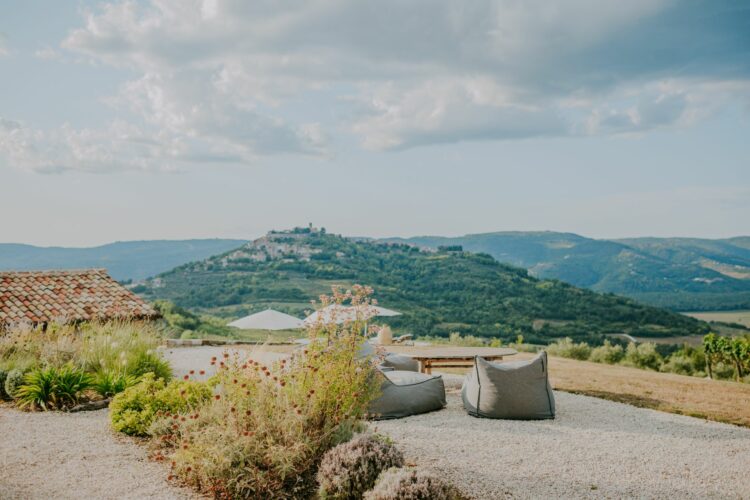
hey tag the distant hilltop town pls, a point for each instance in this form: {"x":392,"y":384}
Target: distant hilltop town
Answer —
{"x":290,"y":244}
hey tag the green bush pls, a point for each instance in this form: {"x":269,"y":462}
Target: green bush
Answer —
{"x":401,"y":484}
{"x":351,"y":468}
{"x":607,"y":353}
{"x":13,"y":382}
{"x":52,"y":388}
{"x":133,"y":410}
{"x":566,"y":348}
{"x":149,"y":362}
{"x":643,"y":356}
{"x":109,"y":383}
{"x":679,"y":363}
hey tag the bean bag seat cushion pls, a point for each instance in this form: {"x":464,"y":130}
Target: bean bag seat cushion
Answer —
{"x":401,"y":362}
{"x":513,"y":390}
{"x":405,"y":393}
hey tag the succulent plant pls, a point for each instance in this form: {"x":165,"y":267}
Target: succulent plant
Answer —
{"x":13,"y":382}
{"x":351,"y":468}
{"x":411,"y":484}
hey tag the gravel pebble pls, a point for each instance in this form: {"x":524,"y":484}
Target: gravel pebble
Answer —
{"x":75,"y":455}
{"x":593,"y":449}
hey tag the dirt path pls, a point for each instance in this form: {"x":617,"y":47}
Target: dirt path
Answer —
{"x":76,"y":456}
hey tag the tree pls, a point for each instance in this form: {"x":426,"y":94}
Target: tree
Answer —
{"x":737,"y":350}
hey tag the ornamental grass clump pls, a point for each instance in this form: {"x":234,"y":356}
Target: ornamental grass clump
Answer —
{"x":266,"y":430}
{"x":410,"y":484}
{"x":52,"y":388}
{"x":351,"y":468}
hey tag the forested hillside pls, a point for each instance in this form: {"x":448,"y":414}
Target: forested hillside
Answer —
{"x":437,"y":292}
{"x":677,"y":273}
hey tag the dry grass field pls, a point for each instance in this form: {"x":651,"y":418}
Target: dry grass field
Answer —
{"x":740,"y":317}
{"x":717,"y":400}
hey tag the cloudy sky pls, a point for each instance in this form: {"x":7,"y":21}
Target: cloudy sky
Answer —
{"x":185,"y":118}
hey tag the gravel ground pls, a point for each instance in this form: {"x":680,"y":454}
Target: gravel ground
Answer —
{"x":593,"y":449}
{"x":75,"y":455}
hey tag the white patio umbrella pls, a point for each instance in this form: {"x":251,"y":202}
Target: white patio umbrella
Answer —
{"x":341,"y":313}
{"x":268,"y":320}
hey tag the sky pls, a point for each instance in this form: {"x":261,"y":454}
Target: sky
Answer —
{"x":172,"y":119}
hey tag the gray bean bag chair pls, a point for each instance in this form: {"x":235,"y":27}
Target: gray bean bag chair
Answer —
{"x":400,"y":362}
{"x":513,"y":390}
{"x":405,"y":393}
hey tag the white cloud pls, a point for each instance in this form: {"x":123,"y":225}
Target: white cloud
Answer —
{"x":119,"y":147}
{"x":217,"y":76}
{"x":46,"y":53}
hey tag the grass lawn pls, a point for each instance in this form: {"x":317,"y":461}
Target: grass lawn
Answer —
{"x":718,"y":400}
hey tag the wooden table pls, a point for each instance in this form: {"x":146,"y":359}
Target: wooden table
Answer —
{"x":451,"y":357}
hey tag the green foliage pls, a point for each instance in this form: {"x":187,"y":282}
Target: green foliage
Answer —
{"x":52,"y":387}
{"x":267,"y":430}
{"x":13,"y":382}
{"x":566,"y":348}
{"x":607,"y":353}
{"x":731,"y":351}
{"x":134,"y":410}
{"x":438,"y":293}
{"x":109,"y":383}
{"x":398,"y":484}
{"x":348,"y":470}
{"x":643,"y":356}
{"x":65,"y":360}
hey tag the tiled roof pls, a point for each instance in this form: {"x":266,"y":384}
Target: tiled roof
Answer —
{"x":45,"y":296}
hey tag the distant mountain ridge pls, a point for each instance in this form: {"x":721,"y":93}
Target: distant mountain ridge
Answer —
{"x":124,"y":260}
{"x":678,"y":273}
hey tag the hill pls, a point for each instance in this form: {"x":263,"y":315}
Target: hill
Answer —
{"x":438,"y":292}
{"x":677,"y":273}
{"x":130,"y":260}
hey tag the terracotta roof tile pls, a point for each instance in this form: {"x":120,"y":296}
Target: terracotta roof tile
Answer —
{"x":44,"y":296}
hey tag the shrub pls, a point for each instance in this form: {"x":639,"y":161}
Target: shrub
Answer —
{"x":13,"y":382}
{"x":149,"y":362}
{"x":109,"y":383}
{"x":679,"y":363}
{"x":351,"y":468}
{"x":51,"y":387}
{"x":133,"y":410}
{"x":404,"y":484}
{"x":566,"y":348}
{"x":607,"y":353}
{"x":266,"y":432}
{"x":643,"y":356}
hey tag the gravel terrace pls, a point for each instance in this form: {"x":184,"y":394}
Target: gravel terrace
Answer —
{"x":593,"y":449}
{"x":75,"y":456}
